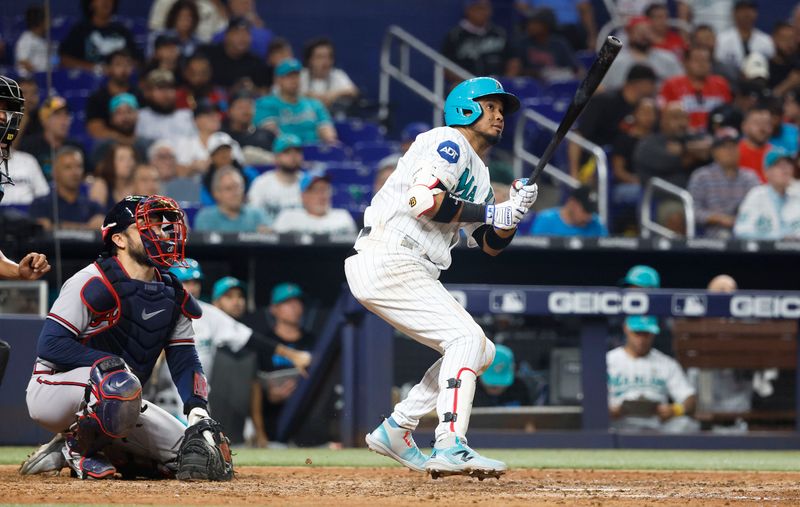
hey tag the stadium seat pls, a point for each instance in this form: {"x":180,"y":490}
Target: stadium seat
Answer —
{"x":139,"y":29}
{"x":325,"y":153}
{"x":586,"y":58}
{"x":353,"y":131}
{"x":190,"y":209}
{"x":522,"y":87}
{"x":60,"y":27}
{"x":349,"y":173}
{"x":65,"y":81}
{"x":562,"y":89}
{"x":371,"y":152}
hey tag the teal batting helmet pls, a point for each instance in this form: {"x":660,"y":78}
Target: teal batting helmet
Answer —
{"x":191,"y":271}
{"x":461,"y":108}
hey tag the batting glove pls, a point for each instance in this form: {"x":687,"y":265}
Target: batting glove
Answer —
{"x":506,"y":215}
{"x":524,"y":193}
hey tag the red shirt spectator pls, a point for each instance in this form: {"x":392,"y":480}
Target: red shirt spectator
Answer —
{"x":698,"y":91}
{"x":756,"y":127}
{"x":752,"y":157}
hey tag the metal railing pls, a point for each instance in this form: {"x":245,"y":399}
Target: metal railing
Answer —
{"x":648,"y":225}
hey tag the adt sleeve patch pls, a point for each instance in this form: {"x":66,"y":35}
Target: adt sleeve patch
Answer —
{"x":449,"y":151}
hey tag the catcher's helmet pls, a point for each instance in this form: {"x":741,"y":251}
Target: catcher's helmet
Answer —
{"x":461,"y":108}
{"x":12,"y":106}
{"x":160,"y":222}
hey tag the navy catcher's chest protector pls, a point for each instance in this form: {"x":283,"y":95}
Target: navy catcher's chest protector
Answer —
{"x":141,"y":315}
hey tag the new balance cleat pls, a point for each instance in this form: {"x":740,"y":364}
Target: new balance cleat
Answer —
{"x":395,"y":442}
{"x":460,"y":459}
{"x":87,"y":467}
{"x":47,"y":459}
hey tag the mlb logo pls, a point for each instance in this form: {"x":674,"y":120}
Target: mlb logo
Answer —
{"x":511,"y":301}
{"x":689,"y":305}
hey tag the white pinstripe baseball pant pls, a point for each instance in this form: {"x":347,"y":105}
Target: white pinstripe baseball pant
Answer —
{"x":403,"y":289}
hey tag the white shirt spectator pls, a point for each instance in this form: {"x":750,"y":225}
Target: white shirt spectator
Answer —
{"x":655,"y":377}
{"x":169,"y":127}
{"x":664,"y":63}
{"x":29,"y":181}
{"x":337,"y":80}
{"x":766,"y":215}
{"x":336,"y":221}
{"x":33,"y":49}
{"x":730,"y":48}
{"x":716,"y":13}
{"x":272,"y":195}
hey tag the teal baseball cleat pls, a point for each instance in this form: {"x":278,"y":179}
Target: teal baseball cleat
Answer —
{"x":393,"y":441}
{"x":460,"y":459}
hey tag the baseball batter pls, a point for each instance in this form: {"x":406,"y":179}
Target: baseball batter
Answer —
{"x":99,"y":344}
{"x":34,"y":265}
{"x":441,"y":187}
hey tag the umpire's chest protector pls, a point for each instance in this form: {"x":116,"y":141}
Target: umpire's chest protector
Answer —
{"x":136,"y":318}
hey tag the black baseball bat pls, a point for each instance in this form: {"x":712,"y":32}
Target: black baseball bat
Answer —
{"x":605,"y":57}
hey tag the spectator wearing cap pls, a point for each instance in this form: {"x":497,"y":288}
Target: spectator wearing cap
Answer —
{"x":784,"y":66}
{"x":239,"y":125}
{"x":640,"y":49}
{"x":192,"y":151}
{"x":772,"y":211}
{"x":230,"y":213}
{"x":211,"y":14}
{"x":232,"y":59}
{"x":56,"y":120}
{"x":697,"y":90}
{"x":287,"y":111}
{"x":499,"y":386}
{"x":124,"y":109}
{"x":575,"y":19}
{"x":228,"y":295}
{"x":647,"y":389}
{"x":75,"y":209}
{"x":320,"y":80}
{"x":91,"y":40}
{"x":279,"y":189}
{"x":223,"y":151}
{"x":544,"y":54}
{"x":30,"y":51}
{"x":197,"y":86}
{"x":641,"y":276}
{"x":286,"y":310}
{"x":756,"y":130}
{"x":577,"y":217}
{"x":735,"y":43}
{"x":606,"y":114}
{"x":478,"y":45}
{"x":160,"y":119}
{"x":259,"y":35}
{"x":720,"y":187}
{"x":664,"y":37}
{"x":118,"y":70}
{"x":316,"y":216}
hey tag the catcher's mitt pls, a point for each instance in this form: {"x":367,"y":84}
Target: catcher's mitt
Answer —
{"x":198,"y":459}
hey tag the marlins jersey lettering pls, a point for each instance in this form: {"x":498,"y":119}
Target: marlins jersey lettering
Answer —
{"x":656,"y":377}
{"x":441,"y":154}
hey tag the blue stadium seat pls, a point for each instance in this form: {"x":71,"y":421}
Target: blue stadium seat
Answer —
{"x":60,"y":27}
{"x":349,"y":173}
{"x":325,"y":153}
{"x":352,"y":186}
{"x":522,"y":87}
{"x":65,"y":81}
{"x":353,"y":131}
{"x":190,"y":209}
{"x":371,"y":152}
{"x":586,"y":58}
{"x":562,"y":89}
{"x":139,"y":29}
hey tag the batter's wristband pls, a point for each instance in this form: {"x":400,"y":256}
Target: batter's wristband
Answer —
{"x":497,"y":242}
{"x":472,"y":213}
{"x":678,"y":409}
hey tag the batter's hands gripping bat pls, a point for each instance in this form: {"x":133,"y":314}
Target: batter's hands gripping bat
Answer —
{"x":585,"y":91}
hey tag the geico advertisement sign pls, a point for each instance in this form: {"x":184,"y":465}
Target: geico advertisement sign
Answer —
{"x":597,"y":303}
{"x":786,"y":307}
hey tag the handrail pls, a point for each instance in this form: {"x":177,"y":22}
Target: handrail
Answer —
{"x":521,"y":155}
{"x":434,"y":96}
{"x":646,"y":219}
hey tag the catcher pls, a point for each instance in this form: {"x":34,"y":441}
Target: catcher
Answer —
{"x":98,"y":346}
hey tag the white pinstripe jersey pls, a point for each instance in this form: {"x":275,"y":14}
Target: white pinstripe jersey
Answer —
{"x":440,"y":154}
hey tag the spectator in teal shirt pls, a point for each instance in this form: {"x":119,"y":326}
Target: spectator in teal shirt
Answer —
{"x":288,"y":112}
{"x":577,"y":217}
{"x":230,"y":214}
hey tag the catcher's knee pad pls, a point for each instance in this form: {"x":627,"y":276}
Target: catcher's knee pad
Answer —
{"x":113,"y":403}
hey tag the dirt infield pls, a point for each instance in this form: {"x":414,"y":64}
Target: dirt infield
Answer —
{"x":392,"y":486}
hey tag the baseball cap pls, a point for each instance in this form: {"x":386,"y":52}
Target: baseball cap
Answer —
{"x":637,"y":20}
{"x":725,"y":135}
{"x":755,"y":66}
{"x":309,"y":177}
{"x":166,"y":39}
{"x":412,"y":130}
{"x":51,"y":105}
{"x":642,"y":276}
{"x":189,"y":271}
{"x":284,"y":292}
{"x":587,"y":197}
{"x":286,"y":141}
{"x":223,"y":285}
{"x":288,"y":66}
{"x":219,"y":139}
{"x":501,"y":372}
{"x":238,"y":22}
{"x":640,"y":72}
{"x":205,"y":107}
{"x":775,"y":155}
{"x":120,"y":216}
{"x":122,"y":99}
{"x":643,"y":324}
{"x":160,"y":77}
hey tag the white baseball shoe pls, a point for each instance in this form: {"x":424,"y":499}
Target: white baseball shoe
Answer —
{"x":460,"y":459}
{"x":393,"y":441}
{"x":46,"y":459}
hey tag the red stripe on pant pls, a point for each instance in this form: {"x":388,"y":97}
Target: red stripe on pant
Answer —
{"x":455,"y":397}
